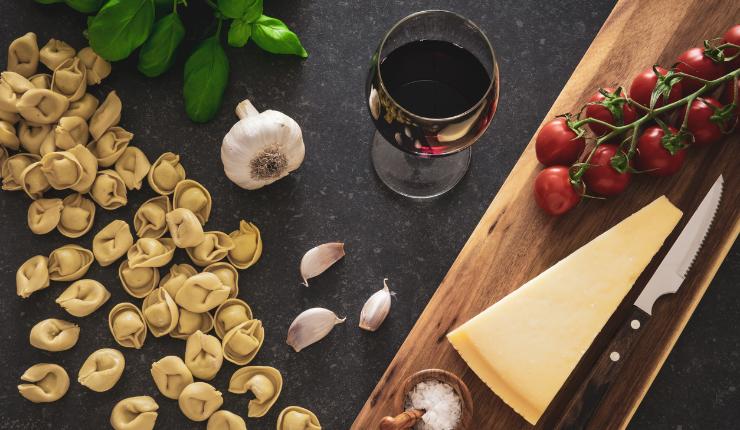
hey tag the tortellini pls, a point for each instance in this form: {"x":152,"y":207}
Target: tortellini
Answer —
{"x":227,"y":274}
{"x":297,"y":418}
{"x":8,"y":137}
{"x":112,"y":242}
{"x":97,"y":67}
{"x":215,"y":246}
{"x":134,"y":413}
{"x":165,"y":173}
{"x":3,"y":158}
{"x":84,"y":107}
{"x":11,"y":118}
{"x":203,"y":355}
{"x":34,"y":181}
{"x":175,"y":279}
{"x":44,"y":215}
{"x":12,"y":88}
{"x":54,"y":335}
{"x":133,"y":166}
{"x":23,"y":55}
{"x":61,"y":169}
{"x":199,"y":400}
{"x":78,"y":214}
{"x":243,"y":342}
{"x":55,"y":52}
{"x":148,"y":252}
{"x":34,"y":137}
{"x":225,"y":420}
{"x":89,"y":168}
{"x":14,"y":167}
{"x":171,"y":376}
{"x":33,"y":275}
{"x":190,"y":322}
{"x":41,"y":80}
{"x":106,"y":116}
{"x":69,"y":263}
{"x":109,"y":190}
{"x":42,"y":106}
{"x":127,"y":325}
{"x":150,"y":218}
{"x":247,"y":245}
{"x":70,"y":132}
{"x":109,"y":147}
{"x":230,"y":314}
{"x":185,"y":228}
{"x":194,"y":196}
{"x":160,"y":312}
{"x":138,"y":282}
{"x":102,"y":369}
{"x":83,"y":297}
{"x":263,"y":381}
{"x":70,"y":79}
{"x":45,"y":383}
{"x":201,"y":293}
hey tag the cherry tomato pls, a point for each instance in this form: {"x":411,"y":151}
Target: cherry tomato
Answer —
{"x":601,"y":177}
{"x":705,"y":130}
{"x":554,"y":192}
{"x":603,"y":110}
{"x":732,"y":36}
{"x":556,"y":144}
{"x":653,"y":157}
{"x":695,"y":63}
{"x":644,"y":83}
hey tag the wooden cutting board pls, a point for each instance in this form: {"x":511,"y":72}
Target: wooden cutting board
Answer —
{"x":515,"y":241}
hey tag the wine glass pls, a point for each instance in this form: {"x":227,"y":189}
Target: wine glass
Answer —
{"x":432,"y":91}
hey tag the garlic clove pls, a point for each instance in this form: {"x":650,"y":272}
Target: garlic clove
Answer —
{"x":320,"y":258}
{"x":376,"y":308}
{"x":311,"y":326}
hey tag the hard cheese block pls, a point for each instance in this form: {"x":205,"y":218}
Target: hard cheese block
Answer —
{"x":525,"y":346}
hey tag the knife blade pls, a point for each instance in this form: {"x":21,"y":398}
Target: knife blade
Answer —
{"x":666,"y":279}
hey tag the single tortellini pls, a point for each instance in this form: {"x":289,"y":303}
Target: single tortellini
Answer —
{"x":203,"y":355}
{"x":109,"y":147}
{"x":71,"y":131}
{"x":148,"y":252}
{"x":106,"y":116}
{"x":12,"y":88}
{"x":190,"y":322}
{"x":89,"y":168}
{"x":78,"y":214}
{"x":13,"y":167}
{"x":160,"y":312}
{"x":138,"y":282}
{"x":102,"y":369}
{"x":97,"y":67}
{"x":201,"y":293}
{"x":42,"y":106}
{"x":46,"y":383}
{"x":127,"y":325}
{"x":33,"y":136}
{"x":225,"y":420}
{"x":8,"y":137}
{"x":11,"y":118}
{"x":185,"y":228}
{"x":175,"y":279}
{"x":230,"y":314}
{"x":70,"y":79}
{"x":34,"y":181}
{"x":61,"y":169}
{"x":112,"y":242}
{"x":263,"y":381}
{"x":228,"y":275}
{"x":69,"y":263}
{"x":55,"y":52}
{"x":150,"y":218}
{"x":33,"y":275}
{"x":133,"y":166}
{"x":171,"y":376}
{"x":297,"y":418}
{"x":134,"y":413}
{"x":215,"y":246}
{"x":165,"y":173}
{"x":194,"y":196}
{"x":199,"y":400}
{"x":54,"y":335}
{"x":44,"y":215}
{"x":23,"y":55}
{"x":243,"y":342}
{"x":83,"y":297}
{"x":84,"y":107}
{"x":109,"y":190}
{"x":247,"y":245}
{"x":41,"y":80}
{"x":3,"y":158}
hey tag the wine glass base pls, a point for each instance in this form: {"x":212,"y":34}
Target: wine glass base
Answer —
{"x":417,"y":177}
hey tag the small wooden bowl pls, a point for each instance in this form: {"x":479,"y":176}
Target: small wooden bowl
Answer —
{"x":466,"y":414}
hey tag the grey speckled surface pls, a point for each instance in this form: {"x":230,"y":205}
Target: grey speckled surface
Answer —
{"x":335,"y":196}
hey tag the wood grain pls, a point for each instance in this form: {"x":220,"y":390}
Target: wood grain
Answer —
{"x":515,"y":241}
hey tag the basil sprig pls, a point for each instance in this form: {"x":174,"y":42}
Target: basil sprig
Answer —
{"x":158,"y":52}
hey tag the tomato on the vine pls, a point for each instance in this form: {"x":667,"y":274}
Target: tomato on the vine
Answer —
{"x":643,"y":85}
{"x":652,"y":154}
{"x":558,"y":144}
{"x":554,"y":192}
{"x":693,"y":62}
{"x":609,"y":105}
{"x":601,"y":177}
{"x":707,"y":120}
{"x":732,"y":35}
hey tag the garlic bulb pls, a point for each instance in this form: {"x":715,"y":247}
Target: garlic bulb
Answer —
{"x":261,"y":148}
{"x":311,"y":326}
{"x":376,"y":308}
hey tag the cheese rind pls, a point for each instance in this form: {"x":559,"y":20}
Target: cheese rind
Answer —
{"x":526,"y":345}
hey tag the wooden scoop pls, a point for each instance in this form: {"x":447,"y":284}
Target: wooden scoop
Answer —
{"x":404,"y":420}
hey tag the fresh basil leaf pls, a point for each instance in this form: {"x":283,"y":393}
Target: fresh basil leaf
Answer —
{"x":274,"y":36}
{"x":239,"y":32}
{"x":241,"y":9}
{"x":163,"y":3}
{"x":120,"y":27}
{"x":206,"y":76}
{"x":158,"y":52}
{"x":84,"y":6}
{"x":253,"y":12}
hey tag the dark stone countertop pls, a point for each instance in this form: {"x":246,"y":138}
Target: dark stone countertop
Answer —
{"x":334,"y":196}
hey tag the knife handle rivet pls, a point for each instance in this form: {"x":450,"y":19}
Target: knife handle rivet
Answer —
{"x":614,"y":356}
{"x":635,"y":324}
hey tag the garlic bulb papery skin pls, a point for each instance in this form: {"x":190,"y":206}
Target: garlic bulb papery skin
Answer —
{"x":311,"y":326}
{"x":261,"y":148}
{"x":376,"y":308}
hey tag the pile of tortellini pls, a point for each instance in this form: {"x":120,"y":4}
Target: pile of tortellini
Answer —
{"x":71,"y":142}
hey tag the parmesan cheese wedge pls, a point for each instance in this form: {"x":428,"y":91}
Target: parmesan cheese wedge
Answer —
{"x":526,"y":345}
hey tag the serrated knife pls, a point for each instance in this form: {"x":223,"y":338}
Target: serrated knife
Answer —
{"x":666,"y":279}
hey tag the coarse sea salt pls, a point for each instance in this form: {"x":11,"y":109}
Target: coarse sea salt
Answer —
{"x":441,"y":403}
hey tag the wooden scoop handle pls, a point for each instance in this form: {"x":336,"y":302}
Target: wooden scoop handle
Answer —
{"x":405,"y":420}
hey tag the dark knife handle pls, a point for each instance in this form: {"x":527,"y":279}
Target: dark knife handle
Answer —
{"x":585,"y":402}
